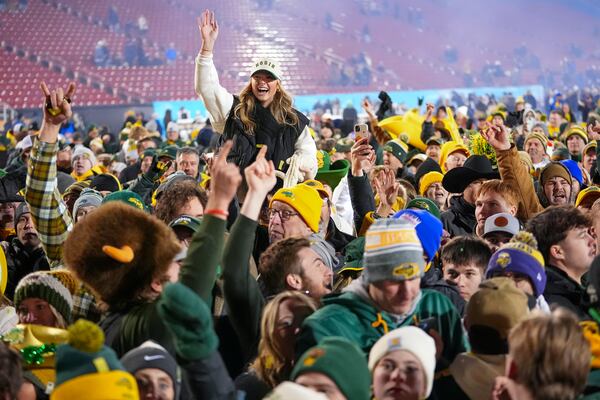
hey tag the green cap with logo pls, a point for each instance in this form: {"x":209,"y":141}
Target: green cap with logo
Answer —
{"x":186,"y":221}
{"x":423,"y":203}
{"x":128,"y":197}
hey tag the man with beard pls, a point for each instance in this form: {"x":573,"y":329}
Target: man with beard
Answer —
{"x":386,"y":297}
{"x":24,"y":253}
{"x":291,"y":264}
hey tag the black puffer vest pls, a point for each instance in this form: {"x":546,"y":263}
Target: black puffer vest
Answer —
{"x":280,"y":139}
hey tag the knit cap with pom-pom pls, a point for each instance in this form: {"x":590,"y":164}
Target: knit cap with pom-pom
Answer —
{"x":86,"y":336}
{"x":85,"y":353}
{"x":520,"y":255}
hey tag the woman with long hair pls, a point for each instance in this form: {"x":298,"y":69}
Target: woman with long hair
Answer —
{"x":262,"y":114}
{"x":280,"y":324}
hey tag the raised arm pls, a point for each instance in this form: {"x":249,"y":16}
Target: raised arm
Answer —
{"x":241,"y":290}
{"x":48,"y":211}
{"x":361,"y":194}
{"x":199,"y":269}
{"x":513,"y":171}
{"x":381,"y":136}
{"x":217,"y":99}
{"x":427,"y":126}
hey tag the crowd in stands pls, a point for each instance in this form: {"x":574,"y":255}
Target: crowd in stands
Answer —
{"x":445,"y":251}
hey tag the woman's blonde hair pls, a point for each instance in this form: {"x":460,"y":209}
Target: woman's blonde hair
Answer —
{"x":270,"y":365}
{"x":280,"y":107}
{"x":551,"y":355}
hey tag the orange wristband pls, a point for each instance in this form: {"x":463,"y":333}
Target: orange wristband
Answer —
{"x":216,"y":211}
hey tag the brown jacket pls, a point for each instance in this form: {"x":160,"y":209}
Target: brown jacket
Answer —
{"x":514,"y":172}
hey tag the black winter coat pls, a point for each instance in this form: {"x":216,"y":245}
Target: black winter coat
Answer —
{"x":459,"y":219}
{"x":20,"y":262}
{"x":563,"y":291}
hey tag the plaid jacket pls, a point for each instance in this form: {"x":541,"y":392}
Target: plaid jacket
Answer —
{"x":48,"y":211}
{"x":52,"y":219}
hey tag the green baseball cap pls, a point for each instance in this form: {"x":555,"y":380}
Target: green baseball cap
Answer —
{"x":128,"y":197}
{"x":423,"y":203}
{"x":186,"y":221}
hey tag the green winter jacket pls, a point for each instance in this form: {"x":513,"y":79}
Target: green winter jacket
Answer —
{"x":132,"y":327}
{"x":350,"y":315}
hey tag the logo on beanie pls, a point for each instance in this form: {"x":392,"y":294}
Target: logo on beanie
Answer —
{"x":313,"y":356}
{"x":320,"y":161}
{"x":394,"y":343}
{"x":406,"y":270}
{"x":125,"y":383}
{"x":503,"y":260}
{"x":288,"y":193}
{"x":136,"y":202}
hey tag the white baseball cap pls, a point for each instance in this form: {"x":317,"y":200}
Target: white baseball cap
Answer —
{"x":501,"y":222}
{"x":265,"y":64}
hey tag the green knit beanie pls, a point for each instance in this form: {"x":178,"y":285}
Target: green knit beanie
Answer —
{"x":55,"y":287}
{"x":398,"y":148}
{"x":343,"y":362}
{"x":80,"y":356}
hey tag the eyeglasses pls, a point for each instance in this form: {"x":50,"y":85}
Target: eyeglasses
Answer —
{"x":284,"y":215}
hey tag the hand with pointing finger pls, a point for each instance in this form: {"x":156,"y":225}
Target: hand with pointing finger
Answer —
{"x":225,"y":180}
{"x":260,"y":175}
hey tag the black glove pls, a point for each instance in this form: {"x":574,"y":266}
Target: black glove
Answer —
{"x":157,"y":169}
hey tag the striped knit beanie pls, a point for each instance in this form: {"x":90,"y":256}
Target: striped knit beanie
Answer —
{"x":393,"y":251}
{"x":56,"y":287}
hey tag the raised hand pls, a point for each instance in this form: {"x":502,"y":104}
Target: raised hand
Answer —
{"x":387,"y":188}
{"x":496,"y":136}
{"x":368,"y":107}
{"x":595,"y":133}
{"x":429,"y":112}
{"x":362,"y":157}
{"x":225,"y":180}
{"x":57,"y":104}
{"x":209,"y":29}
{"x":260,"y":175}
{"x":260,"y":178}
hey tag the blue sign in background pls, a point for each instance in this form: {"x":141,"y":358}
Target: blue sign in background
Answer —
{"x":305,"y":103}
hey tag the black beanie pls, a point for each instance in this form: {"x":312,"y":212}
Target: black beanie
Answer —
{"x":105,"y":182}
{"x":152,"y":355}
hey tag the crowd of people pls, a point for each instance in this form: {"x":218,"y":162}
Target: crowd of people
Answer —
{"x":271,"y":256}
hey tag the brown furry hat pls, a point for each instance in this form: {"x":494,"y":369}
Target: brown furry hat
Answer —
{"x":118,"y":250}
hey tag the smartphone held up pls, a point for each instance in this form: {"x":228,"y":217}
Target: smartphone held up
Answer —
{"x":361,"y":131}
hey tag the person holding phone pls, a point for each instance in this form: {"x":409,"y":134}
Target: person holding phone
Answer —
{"x":261,"y":114}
